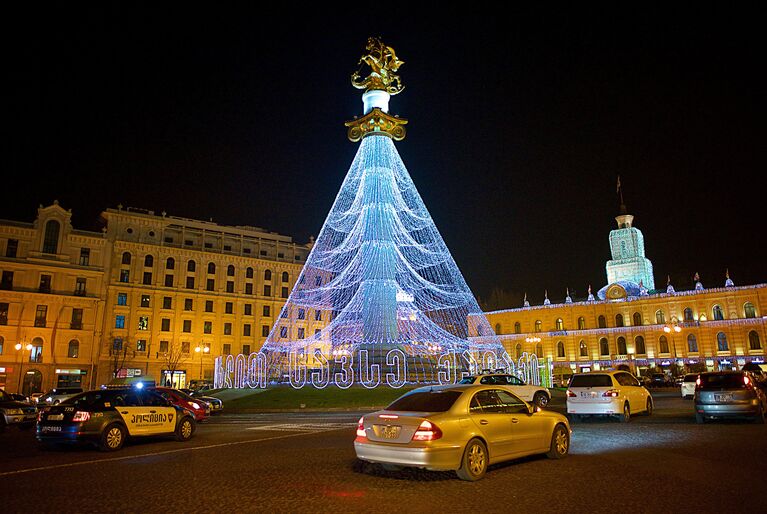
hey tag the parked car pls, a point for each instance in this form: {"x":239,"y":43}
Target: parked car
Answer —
{"x":725,"y":394}
{"x":199,"y":408}
{"x":216,"y":404}
{"x":688,"y":385}
{"x":538,"y":395}
{"x":58,"y":395}
{"x":660,"y":380}
{"x":462,"y":427}
{"x":14,"y":413}
{"x":612,"y":393}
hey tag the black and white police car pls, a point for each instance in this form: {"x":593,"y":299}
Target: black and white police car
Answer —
{"x":107,"y":417}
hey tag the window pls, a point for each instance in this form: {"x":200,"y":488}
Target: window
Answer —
{"x":748,"y":310}
{"x":753,"y":341}
{"x":517,"y":328}
{"x":284,"y":292}
{"x":230,"y":286}
{"x":538,"y":325}
{"x":584,"y":350}
{"x":284,"y":313}
{"x":185,"y":346}
{"x":622,"y":350}
{"x":170,"y":263}
{"x":663,"y":345}
{"x":285,"y":277}
{"x":211,"y":268}
{"x":85,"y":256}
{"x":267,"y":274}
{"x":143,"y":322}
{"x":539,"y":350}
{"x":246,"y":349}
{"x":36,"y":355}
{"x":190,"y":282}
{"x":692,"y":344}
{"x":148,"y":261}
{"x":77,"y":319}
{"x":167,"y":302}
{"x":604,"y":347}
{"x":248,"y":288}
{"x":637,"y":319}
{"x":283,"y":332}
{"x":80,"y":287}
{"x":581,"y":323}
{"x":124,"y":275}
{"x":51,"y":238}
{"x":74,"y":349}
{"x":41,"y":313}
{"x":147,"y":279}
{"x":267,"y":311}
{"x":45,"y":283}
{"x":560,"y":349}
{"x":122,"y":298}
{"x":145,"y":300}
{"x":7,"y":281}
{"x":301,"y":333}
{"x":230,"y":271}
{"x":619,"y":320}
{"x":227,"y":329}
{"x":248,"y":309}
{"x":249,"y":273}
{"x":187,"y":327}
{"x":117,"y":344}
{"x":639,"y":345}
{"x":721,"y":342}
{"x":165,"y":325}
{"x":164,"y":346}
{"x":3,"y":313}
{"x":229,"y":308}
{"x":191,"y":266}
{"x":141,"y":345}
{"x":717,"y":312}
{"x":126,"y":258}
{"x":227,"y":349}
{"x":168,"y":280}
{"x":265,"y":330}
{"x":302,"y":315}
{"x":119,"y":321}
{"x":2,"y":343}
{"x":188,"y":304}
{"x":560,"y":324}
{"x":246,"y":329}
{"x":317,"y":315}
{"x":12,"y":248}
{"x":660,"y":317}
{"x":207,"y":327}
{"x":208,"y":305}
{"x":601,"y":322}
{"x":688,"y":314}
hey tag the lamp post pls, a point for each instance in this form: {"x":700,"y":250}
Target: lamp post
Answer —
{"x":21,"y":347}
{"x":201,"y":349}
{"x":672,"y":329}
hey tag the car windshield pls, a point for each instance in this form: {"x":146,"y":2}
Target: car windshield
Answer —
{"x":723,"y":381}
{"x":690,"y":378}
{"x":426,"y":401}
{"x":591,"y":381}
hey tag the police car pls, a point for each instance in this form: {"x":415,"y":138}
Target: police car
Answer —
{"x":107,"y":417}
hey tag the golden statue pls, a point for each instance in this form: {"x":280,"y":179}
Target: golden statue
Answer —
{"x":383,"y":63}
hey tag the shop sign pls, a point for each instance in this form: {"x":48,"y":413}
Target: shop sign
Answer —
{"x":129,"y":372}
{"x":6,"y":370}
{"x":72,"y":371}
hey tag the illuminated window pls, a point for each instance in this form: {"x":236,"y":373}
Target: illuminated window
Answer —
{"x":721,"y":342}
{"x":538,"y":325}
{"x":560,"y":324}
{"x":619,"y":320}
{"x":122,"y":299}
{"x":748,"y":310}
{"x":717,"y":312}
{"x":639,"y":345}
{"x":124,"y":275}
{"x":692,"y":343}
{"x":517,"y":328}
{"x":601,"y":322}
{"x":74,"y":349}
{"x":660,"y":316}
{"x":141,"y":345}
{"x":622,"y":346}
{"x":560,"y":349}
{"x":119,"y":321}
{"x":584,"y":349}
{"x":663,"y":344}
{"x":143,"y":322}
{"x":581,"y":323}
{"x":604,"y":347}
{"x":145,"y":299}
{"x":753,"y":341}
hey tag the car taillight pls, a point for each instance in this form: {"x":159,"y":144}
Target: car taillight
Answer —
{"x":697,"y":383}
{"x":571,"y":394}
{"x":81,"y":416}
{"x":612,"y":393}
{"x":361,"y":428}
{"x":746,"y":381}
{"x":39,"y":416}
{"x":427,"y":431}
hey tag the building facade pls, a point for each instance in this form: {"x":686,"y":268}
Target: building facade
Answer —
{"x":150,"y":295}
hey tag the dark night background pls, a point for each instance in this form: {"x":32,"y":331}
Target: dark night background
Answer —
{"x":520,"y":123}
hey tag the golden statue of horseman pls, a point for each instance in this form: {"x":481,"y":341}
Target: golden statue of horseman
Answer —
{"x":383,"y":63}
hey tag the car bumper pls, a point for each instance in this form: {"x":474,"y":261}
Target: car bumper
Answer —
{"x":614,"y":406}
{"x":66,"y":434}
{"x":19,"y":419}
{"x":439,"y":458}
{"x":728,"y":409}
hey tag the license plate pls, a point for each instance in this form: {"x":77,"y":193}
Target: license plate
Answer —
{"x":389,"y":432}
{"x":51,"y":429}
{"x":722,"y":397}
{"x":588,"y":395}
{"x":55,"y":417}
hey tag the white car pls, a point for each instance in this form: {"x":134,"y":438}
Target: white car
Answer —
{"x":688,"y":385}
{"x":537,"y":395}
{"x":612,"y":393}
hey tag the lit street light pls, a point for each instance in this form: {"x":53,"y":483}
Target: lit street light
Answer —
{"x":201,"y":349}
{"x":672,"y":329}
{"x":21,"y":347}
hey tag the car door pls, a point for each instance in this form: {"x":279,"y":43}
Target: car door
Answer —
{"x":161,"y":412}
{"x":629,"y":389}
{"x":487,"y":413}
{"x":131,"y":411}
{"x":521,"y":389}
{"x":527,"y":430}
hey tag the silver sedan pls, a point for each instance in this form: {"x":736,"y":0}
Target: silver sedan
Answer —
{"x":464,"y":428}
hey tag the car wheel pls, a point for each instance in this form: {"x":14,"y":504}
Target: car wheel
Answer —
{"x":112,"y":438}
{"x":474,"y":462}
{"x":648,"y":410}
{"x":699,"y":418}
{"x":391,"y":467}
{"x":626,"y":417}
{"x":560,"y":443}
{"x":185,"y":429}
{"x":541,"y":399}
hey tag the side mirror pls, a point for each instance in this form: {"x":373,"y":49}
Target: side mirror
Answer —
{"x":531,"y":409}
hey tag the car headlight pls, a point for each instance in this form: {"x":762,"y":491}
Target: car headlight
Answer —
{"x":13,"y":412}
{"x":195,"y":405}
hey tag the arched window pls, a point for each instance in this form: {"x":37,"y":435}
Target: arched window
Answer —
{"x":584,"y":350}
{"x":191,"y":266}
{"x":285,"y":276}
{"x":721,"y":342}
{"x":619,"y":320}
{"x":601,"y":322}
{"x":717,"y":312}
{"x":748,"y":310}
{"x":663,"y":345}
{"x":211,"y":268}
{"x":249,"y":272}
{"x":148,"y":261}
{"x":692,"y":343}
{"x":560,"y":324}
{"x":51,"y":239}
{"x":267,"y":274}
{"x":74,"y":349}
{"x":660,"y":317}
{"x":622,"y":350}
{"x":637,"y":318}
{"x":539,"y":350}
{"x":170,"y":263}
{"x":581,"y":323}
{"x":517,"y":328}
{"x":518,"y":350}
{"x":560,"y":349}
{"x":639,"y":346}
{"x":537,"y":325}
{"x":497,"y":328}
{"x":126,"y":258}
{"x":688,"y":314}
{"x":230,"y":270}
{"x":753,"y":341}
{"x":604,"y":348}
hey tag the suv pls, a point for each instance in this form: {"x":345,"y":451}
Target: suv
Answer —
{"x":15,"y":413}
{"x":538,"y":395}
{"x":612,"y":393}
{"x":729,"y":394}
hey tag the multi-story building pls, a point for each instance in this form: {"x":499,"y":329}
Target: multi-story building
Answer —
{"x":154,"y":295}
{"x":630,"y":326}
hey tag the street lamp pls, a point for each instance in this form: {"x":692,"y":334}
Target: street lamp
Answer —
{"x":672,"y":329}
{"x":22,"y":347}
{"x":201,"y":349}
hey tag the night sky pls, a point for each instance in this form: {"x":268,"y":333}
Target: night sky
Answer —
{"x":520,"y":123}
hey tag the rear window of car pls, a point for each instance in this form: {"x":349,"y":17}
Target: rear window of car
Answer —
{"x":92,"y":400}
{"x":591,"y":381}
{"x":427,"y":401}
{"x":690,"y":378}
{"x":723,"y":381}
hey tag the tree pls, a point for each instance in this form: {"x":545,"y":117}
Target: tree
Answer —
{"x":175,"y":356}
{"x":118,"y":352}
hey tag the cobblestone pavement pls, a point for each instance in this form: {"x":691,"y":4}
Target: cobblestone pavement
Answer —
{"x":305,"y":462}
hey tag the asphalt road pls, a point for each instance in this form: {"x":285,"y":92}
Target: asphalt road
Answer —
{"x":305,"y":462}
